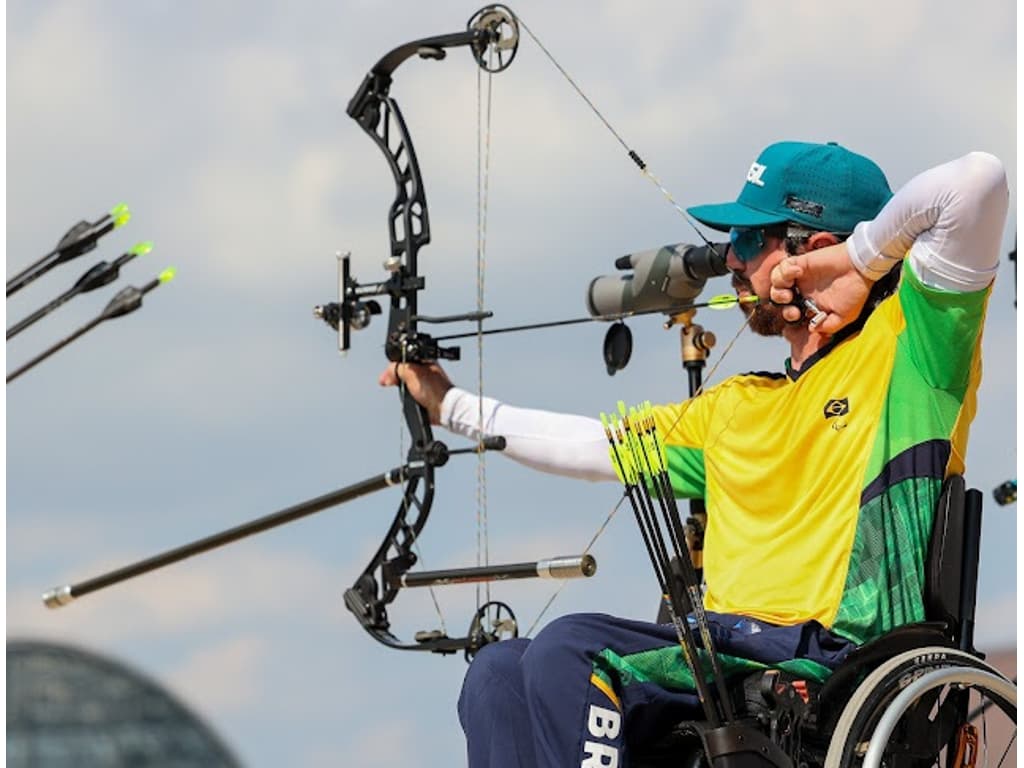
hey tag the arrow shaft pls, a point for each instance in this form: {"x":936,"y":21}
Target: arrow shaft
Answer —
{"x":33,"y":271}
{"x":56,"y":347}
{"x":42,"y":312}
{"x":588,"y":319}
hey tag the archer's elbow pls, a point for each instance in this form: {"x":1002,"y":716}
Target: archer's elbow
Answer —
{"x":984,"y":175}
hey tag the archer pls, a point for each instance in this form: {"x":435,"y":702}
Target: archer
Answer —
{"x":882,"y":299}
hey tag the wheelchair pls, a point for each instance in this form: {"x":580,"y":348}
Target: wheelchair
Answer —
{"x":918,"y":696}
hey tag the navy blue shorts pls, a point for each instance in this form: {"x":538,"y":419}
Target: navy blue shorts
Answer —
{"x":589,"y":685}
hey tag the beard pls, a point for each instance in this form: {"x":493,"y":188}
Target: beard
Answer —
{"x":764,"y":318}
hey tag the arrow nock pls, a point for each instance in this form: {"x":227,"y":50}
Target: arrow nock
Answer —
{"x":120,"y":214}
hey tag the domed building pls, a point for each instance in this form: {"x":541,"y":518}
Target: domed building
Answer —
{"x":70,"y":707}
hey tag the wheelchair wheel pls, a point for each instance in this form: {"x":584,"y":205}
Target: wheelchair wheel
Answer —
{"x":928,"y":706}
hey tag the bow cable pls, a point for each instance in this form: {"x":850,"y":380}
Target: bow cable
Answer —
{"x":633,"y":155}
{"x":586,"y":551}
{"x":483,"y":167}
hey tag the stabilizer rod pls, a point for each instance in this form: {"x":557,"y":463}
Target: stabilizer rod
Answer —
{"x":60,"y":596}
{"x":569,"y":567}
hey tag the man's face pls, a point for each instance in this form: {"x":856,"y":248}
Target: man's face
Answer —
{"x":753,"y":278}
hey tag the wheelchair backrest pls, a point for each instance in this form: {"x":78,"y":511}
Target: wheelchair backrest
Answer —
{"x":944,"y":566}
{"x":951,"y":570}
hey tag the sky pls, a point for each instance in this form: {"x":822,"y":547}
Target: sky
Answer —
{"x":223,"y":126}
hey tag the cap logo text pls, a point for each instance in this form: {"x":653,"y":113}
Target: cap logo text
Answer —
{"x":805,"y":207}
{"x":754,"y":174}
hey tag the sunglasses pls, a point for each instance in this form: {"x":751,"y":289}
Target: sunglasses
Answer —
{"x":748,"y":242}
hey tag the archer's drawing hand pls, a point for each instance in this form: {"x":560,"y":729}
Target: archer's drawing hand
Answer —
{"x":427,"y":383}
{"x":827,"y":277}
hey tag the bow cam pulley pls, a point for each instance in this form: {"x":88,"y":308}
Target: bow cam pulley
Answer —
{"x":498,"y":46}
{"x":493,"y":621}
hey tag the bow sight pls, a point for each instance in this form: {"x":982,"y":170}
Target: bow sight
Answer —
{"x":404,"y":344}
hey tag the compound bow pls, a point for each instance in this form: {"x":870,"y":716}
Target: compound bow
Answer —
{"x":492,"y":35}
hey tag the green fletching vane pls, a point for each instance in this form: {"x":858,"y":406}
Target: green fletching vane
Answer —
{"x":617,"y":466}
{"x":120,"y":214}
{"x":723,"y":301}
{"x":141,"y":249}
{"x":630,"y":466}
{"x":635,"y":447}
{"x":728,"y":300}
{"x":632,"y":419}
{"x":167,"y":275}
{"x":652,"y":452}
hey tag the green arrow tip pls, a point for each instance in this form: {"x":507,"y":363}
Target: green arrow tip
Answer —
{"x":141,"y":249}
{"x":167,"y":275}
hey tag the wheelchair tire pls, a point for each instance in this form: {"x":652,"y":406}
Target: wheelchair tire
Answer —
{"x":876,"y":693}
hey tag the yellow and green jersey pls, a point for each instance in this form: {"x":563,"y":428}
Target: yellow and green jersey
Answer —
{"x":821,"y":487}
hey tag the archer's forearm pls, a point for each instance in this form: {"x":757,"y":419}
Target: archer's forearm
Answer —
{"x":557,"y":443}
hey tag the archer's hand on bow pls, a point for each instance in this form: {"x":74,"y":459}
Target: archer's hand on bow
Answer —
{"x":427,"y":383}
{"x":827,"y":277}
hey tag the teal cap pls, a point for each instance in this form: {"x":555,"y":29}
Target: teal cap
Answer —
{"x":824,"y":187}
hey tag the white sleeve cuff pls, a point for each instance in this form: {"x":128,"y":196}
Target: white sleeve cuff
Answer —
{"x":867,"y":259}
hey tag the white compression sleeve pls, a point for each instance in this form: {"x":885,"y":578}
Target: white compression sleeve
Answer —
{"x":950,"y":218}
{"x":559,"y":443}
